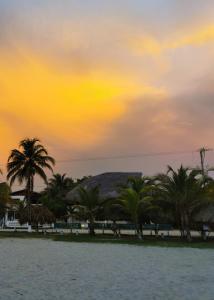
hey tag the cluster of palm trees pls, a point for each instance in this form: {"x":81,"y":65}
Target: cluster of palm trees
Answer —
{"x":182,"y":194}
{"x":175,"y":197}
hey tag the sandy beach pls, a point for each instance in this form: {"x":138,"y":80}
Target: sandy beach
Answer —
{"x":43,"y":269}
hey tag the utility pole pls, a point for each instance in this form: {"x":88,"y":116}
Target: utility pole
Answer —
{"x":202,"y":153}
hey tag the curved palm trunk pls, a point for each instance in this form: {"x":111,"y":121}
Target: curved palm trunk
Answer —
{"x":29,"y":188}
{"x":28,"y":194}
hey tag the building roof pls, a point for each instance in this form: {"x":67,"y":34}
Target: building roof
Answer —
{"x":109,"y":184}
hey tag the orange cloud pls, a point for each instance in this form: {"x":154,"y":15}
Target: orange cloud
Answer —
{"x":73,"y":108}
{"x":152,"y":46}
{"x":198,"y":37}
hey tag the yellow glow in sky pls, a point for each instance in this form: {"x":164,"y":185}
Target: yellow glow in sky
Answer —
{"x":106,"y":77}
{"x":196,"y":37}
{"x":65,"y":106}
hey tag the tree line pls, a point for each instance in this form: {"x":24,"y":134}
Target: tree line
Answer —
{"x":174,"y":197}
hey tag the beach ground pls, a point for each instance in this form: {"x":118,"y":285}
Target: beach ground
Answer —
{"x":45,"y":269}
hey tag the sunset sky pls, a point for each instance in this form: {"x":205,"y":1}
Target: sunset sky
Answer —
{"x":99,"y":78}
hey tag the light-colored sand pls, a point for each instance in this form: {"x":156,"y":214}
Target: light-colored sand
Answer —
{"x":42,"y":269}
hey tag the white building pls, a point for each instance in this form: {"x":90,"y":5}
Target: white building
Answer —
{"x":10,"y":219}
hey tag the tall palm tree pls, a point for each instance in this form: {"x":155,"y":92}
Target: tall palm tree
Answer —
{"x":88,"y":205}
{"x":183,"y":193}
{"x":134,"y":204}
{"x":136,"y":200}
{"x":24,"y":163}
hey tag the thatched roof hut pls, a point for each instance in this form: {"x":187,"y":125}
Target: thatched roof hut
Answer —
{"x":39,"y":215}
{"x":109,"y":184}
{"x":206,"y":215}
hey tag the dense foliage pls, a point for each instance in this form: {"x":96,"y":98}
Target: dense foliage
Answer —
{"x":175,"y":197}
{"x":54,"y":195}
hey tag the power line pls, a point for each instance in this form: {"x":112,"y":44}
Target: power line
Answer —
{"x":127,"y":156}
{"x":152,"y":154}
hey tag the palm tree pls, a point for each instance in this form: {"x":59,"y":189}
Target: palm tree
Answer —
{"x":138,"y":184}
{"x":88,"y":206}
{"x":183,"y":193}
{"x":54,"y":195}
{"x":24,"y":163}
{"x":136,"y":200}
{"x":59,"y":184}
